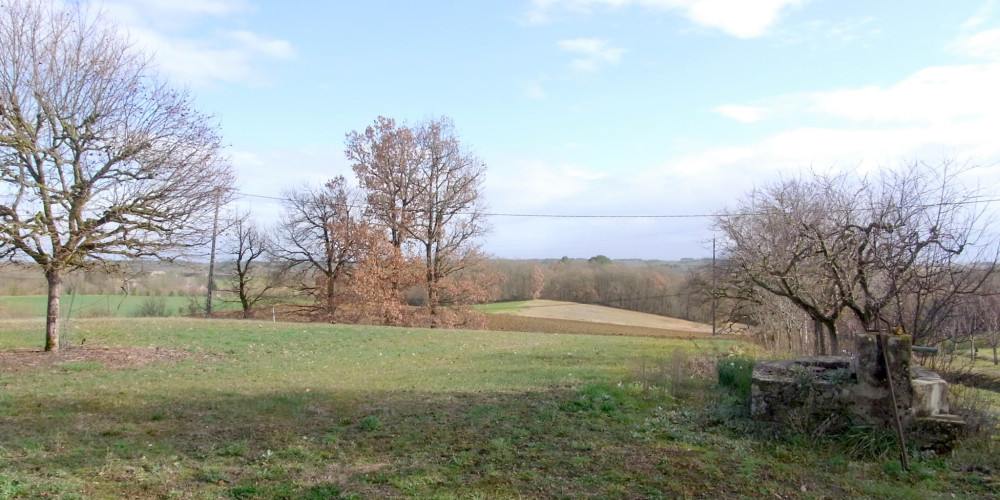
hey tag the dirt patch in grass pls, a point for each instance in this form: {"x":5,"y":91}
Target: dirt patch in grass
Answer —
{"x":20,"y":360}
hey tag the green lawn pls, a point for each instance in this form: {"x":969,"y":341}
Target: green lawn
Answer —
{"x":101,"y":306}
{"x":273,"y":410}
{"x":502,"y":307}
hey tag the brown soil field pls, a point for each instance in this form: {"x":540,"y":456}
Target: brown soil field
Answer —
{"x":602,"y":314}
{"x":549,"y":316}
{"x":517,"y":323}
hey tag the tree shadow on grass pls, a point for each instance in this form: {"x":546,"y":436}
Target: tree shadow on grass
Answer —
{"x":565,"y":442}
{"x":557,"y":443}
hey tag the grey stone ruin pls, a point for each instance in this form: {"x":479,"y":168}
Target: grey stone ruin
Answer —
{"x":836,"y":390}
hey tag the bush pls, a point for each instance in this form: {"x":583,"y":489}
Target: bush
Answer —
{"x":735,"y":373}
{"x":152,"y":307}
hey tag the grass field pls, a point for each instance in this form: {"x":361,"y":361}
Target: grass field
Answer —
{"x":187,"y":408}
{"x":502,"y":307}
{"x":99,"y":306}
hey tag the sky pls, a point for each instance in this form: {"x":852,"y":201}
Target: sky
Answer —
{"x":667,"y":109}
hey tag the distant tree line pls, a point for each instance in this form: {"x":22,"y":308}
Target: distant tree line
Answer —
{"x":655,"y":288}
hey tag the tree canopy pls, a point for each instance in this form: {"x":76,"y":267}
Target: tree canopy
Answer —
{"x":896,"y":248}
{"x":99,"y":159}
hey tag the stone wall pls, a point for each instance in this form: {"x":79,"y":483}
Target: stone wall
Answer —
{"x":841,"y":390}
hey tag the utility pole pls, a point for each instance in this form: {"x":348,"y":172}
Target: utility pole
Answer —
{"x":211,"y":258}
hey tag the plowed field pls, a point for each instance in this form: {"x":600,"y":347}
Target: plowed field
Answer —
{"x":549,"y":316}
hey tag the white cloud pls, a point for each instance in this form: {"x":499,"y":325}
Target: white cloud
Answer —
{"x":745,"y":114}
{"x":826,"y":33}
{"x":198,"y":58}
{"x":532,"y":185}
{"x":254,"y":43}
{"x":936,"y":94}
{"x":595,"y":53}
{"x":740,"y":18}
{"x":984,"y":14}
{"x":981,"y":45}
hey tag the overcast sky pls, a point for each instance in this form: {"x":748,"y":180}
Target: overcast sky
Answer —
{"x":591,"y":107}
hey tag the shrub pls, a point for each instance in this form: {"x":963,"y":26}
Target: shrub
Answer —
{"x":152,"y":307}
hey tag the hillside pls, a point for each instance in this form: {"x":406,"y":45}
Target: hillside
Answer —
{"x":601,"y":314}
{"x":550,"y":316}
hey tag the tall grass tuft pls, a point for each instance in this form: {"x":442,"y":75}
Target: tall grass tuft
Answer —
{"x":735,"y":373}
{"x":152,"y":307}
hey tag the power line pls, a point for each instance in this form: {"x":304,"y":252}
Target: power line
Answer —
{"x":528,"y":215}
{"x":975,"y":200}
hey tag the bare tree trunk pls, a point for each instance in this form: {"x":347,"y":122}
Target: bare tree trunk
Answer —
{"x":834,"y":341}
{"x":211,"y":259}
{"x":54,"y":280}
{"x":432,"y":297}
{"x":245,"y":299}
{"x":331,"y":301}
{"x":819,"y":337}
{"x":995,"y":355}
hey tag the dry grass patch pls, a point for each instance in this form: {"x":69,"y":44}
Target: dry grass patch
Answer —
{"x":20,"y":360}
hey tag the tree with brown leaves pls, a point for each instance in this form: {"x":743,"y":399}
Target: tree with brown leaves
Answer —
{"x":426,"y":190}
{"x":449,"y":216}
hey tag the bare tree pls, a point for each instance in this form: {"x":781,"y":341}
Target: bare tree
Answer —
{"x":924,"y":248}
{"x":898,"y":249}
{"x":779,"y":239}
{"x":448,"y":217}
{"x":989,"y":308}
{"x":251,"y":278}
{"x":320,"y":235}
{"x":98,"y":158}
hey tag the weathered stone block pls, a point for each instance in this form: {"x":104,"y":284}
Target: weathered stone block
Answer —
{"x":930,"y":393}
{"x":873,"y":401}
{"x":937,"y":433}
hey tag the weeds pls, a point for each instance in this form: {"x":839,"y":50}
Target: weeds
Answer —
{"x":736,"y":374}
{"x":976,"y":406}
{"x":866,"y":443}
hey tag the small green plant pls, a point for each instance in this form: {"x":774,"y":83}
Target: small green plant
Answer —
{"x":81,"y":366}
{"x":735,"y":373}
{"x":10,"y":487}
{"x":211,"y":475}
{"x":234,"y":449}
{"x":245,"y":491}
{"x":321,"y":492}
{"x":370,"y":424}
{"x":867,"y":443}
